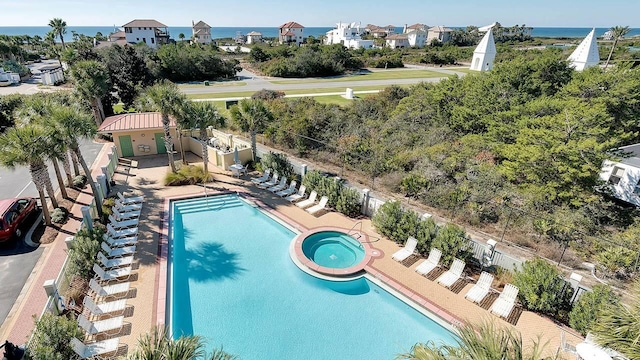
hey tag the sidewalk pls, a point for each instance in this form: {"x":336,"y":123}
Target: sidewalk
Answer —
{"x":19,"y":324}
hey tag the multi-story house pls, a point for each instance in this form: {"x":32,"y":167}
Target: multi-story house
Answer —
{"x":291,"y":33}
{"x":201,"y":32}
{"x":150,"y":32}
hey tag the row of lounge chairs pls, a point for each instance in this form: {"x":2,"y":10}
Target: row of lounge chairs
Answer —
{"x":105,"y":303}
{"x":278,"y":186}
{"x":502,"y":306}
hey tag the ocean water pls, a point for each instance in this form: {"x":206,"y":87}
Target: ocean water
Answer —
{"x":230,"y":32}
{"x":234,"y":284}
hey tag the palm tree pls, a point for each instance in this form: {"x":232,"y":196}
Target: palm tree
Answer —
{"x":59,"y":28}
{"x":92,"y":84}
{"x":165,"y":98}
{"x":181,"y":37}
{"x":25,"y":146}
{"x":70,"y":125}
{"x":203,"y":115}
{"x":253,"y":116}
{"x":618,"y":325}
{"x":158,"y":344}
{"x":618,"y":32}
{"x":484,"y":341}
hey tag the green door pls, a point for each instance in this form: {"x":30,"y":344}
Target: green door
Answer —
{"x":160,"y":143}
{"x":125,"y":145}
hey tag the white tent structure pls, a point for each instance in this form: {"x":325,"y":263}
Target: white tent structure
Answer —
{"x":488,"y":27}
{"x":484,"y":54}
{"x":586,"y":54}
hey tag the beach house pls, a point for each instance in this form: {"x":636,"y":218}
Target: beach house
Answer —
{"x":397,"y":41}
{"x":349,"y":35}
{"x":201,"y":32}
{"x":376,"y":31}
{"x":291,"y":33}
{"x":622,"y":177}
{"x":439,"y":33}
{"x":150,"y":32}
{"x":415,"y":27}
{"x":254,"y":37}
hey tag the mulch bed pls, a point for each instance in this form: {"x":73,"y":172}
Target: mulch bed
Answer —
{"x":410,"y":260}
{"x":47,"y":234}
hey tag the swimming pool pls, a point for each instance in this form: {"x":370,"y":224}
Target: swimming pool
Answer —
{"x":233,"y":283}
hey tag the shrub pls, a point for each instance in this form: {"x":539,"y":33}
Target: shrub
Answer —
{"x":79,"y":181}
{"x":59,"y":215}
{"x":425,"y":233}
{"x":187,"y":175}
{"x":51,"y":338}
{"x":267,"y":95}
{"x":452,"y":240}
{"x":386,"y":219}
{"x":617,"y":261}
{"x":541,"y":287}
{"x":408,"y":225}
{"x":83,"y":252}
{"x":348,"y":202}
{"x":277,"y":163}
{"x":586,"y":310}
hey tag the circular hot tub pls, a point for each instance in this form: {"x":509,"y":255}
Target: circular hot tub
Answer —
{"x":336,"y":252}
{"x":333,"y":249}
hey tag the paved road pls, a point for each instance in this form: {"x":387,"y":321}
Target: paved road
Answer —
{"x":17,"y":259}
{"x":255,"y":83}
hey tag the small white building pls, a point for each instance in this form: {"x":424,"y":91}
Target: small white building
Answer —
{"x":623,"y":177}
{"x":417,"y":38}
{"x":150,"y":32}
{"x":349,"y":35}
{"x":484,"y":54}
{"x":440,"y":33}
{"x":586,"y":54}
{"x":397,"y":41}
{"x":51,"y":75}
{"x":254,"y":37}
{"x":201,"y":32}
{"x":8,"y":78}
{"x":291,"y":33}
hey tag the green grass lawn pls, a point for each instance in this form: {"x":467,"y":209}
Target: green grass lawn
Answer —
{"x":240,"y":94}
{"x":377,"y":75}
{"x":462,"y":70}
{"x":213,"y":84}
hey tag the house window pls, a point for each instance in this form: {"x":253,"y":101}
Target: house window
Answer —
{"x":616,"y":175}
{"x":137,"y":39}
{"x":152,"y":41}
{"x":144,"y":40}
{"x":636,"y":190}
{"x":139,"y":28}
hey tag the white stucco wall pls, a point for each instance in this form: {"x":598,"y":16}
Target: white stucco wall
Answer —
{"x":624,"y":190}
{"x":137,"y":36}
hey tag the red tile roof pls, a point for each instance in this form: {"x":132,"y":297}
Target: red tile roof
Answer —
{"x":144,"y":23}
{"x":134,"y":121}
{"x":291,"y":25}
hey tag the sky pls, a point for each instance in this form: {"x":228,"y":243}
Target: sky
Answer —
{"x":325,"y":13}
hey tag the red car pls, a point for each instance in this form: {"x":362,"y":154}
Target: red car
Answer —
{"x":13,"y":212}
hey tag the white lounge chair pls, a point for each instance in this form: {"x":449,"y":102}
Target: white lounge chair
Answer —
{"x":129,"y":207}
{"x":430,"y":263}
{"x":101,"y":291}
{"x":281,"y":186}
{"x":407,"y":250}
{"x":262,"y":178}
{"x":130,"y":240}
{"x":124,"y":224}
{"x":452,"y":275}
{"x":121,"y":233}
{"x":100,"y":326}
{"x":288,"y":191}
{"x":130,"y":199}
{"x":94,"y":349}
{"x":505,"y":302}
{"x":117,"y":252}
{"x":297,"y":196}
{"x":126,"y":215}
{"x":481,"y":288}
{"x":310,"y":201}
{"x":269,"y":183}
{"x":317,"y":208}
{"x":114,"y":263}
{"x":104,"y":308}
{"x":112,"y":274}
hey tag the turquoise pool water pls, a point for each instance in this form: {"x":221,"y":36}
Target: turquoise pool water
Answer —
{"x":234,"y":284}
{"x":333,"y":249}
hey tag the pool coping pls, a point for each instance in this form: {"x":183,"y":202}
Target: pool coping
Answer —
{"x":161,"y":295}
